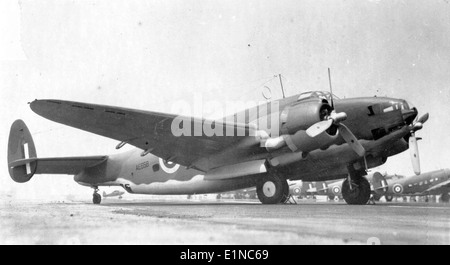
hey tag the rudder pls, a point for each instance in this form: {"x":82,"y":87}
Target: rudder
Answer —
{"x":21,"y":151}
{"x":379,"y":183}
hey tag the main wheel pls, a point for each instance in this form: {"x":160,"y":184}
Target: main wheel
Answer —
{"x":272,"y":189}
{"x":359,"y":194}
{"x":445,"y":197}
{"x":96,"y":198}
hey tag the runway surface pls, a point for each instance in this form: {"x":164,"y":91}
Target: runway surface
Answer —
{"x":222,"y":222}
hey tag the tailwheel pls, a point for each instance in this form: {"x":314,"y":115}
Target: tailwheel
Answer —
{"x":96,"y":198}
{"x":272,"y":189}
{"x":358,"y":193}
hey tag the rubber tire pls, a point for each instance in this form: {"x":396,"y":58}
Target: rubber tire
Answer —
{"x":96,"y":198}
{"x":389,"y":198}
{"x":445,"y":197}
{"x":331,"y":197}
{"x":280,"y":189}
{"x":360,"y":194}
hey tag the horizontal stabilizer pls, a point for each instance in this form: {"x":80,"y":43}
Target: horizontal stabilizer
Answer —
{"x":60,"y":165}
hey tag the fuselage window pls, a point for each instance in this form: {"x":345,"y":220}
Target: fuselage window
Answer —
{"x":155,"y":167}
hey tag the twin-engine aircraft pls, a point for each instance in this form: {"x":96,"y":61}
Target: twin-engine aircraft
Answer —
{"x":318,"y":137}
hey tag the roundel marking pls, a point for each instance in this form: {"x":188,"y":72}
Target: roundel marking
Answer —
{"x":296,"y":190}
{"x":398,"y":188}
{"x":168,"y":167}
{"x":336,"y":190}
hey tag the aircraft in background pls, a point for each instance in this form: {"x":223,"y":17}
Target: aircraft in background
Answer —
{"x":320,"y":137}
{"x":116,"y":193}
{"x":430,"y":183}
{"x":302,"y":188}
{"x":334,"y":188}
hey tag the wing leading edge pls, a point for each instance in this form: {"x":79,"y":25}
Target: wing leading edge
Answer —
{"x":150,"y":131}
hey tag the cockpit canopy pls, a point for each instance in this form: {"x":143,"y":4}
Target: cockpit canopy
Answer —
{"x":316,"y":94}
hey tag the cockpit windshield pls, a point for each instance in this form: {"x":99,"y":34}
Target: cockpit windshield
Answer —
{"x":316,"y":94}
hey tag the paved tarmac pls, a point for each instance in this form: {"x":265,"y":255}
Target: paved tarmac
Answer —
{"x":201,"y":222}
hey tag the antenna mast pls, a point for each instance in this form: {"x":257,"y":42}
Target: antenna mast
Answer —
{"x":282,"y":89}
{"x":331,"y":89}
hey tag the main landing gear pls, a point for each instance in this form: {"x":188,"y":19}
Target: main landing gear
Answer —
{"x":356,"y":188}
{"x":96,"y":198}
{"x":272,"y":189}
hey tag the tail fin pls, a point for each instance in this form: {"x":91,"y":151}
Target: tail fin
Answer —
{"x":21,"y":151}
{"x":380,"y":185}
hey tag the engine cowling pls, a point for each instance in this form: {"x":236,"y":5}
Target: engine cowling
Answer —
{"x":302,"y":115}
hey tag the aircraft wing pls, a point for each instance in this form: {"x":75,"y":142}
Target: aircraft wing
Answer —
{"x":438,"y":186}
{"x":150,"y":131}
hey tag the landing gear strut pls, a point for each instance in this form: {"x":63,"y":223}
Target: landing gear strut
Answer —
{"x":272,"y":189}
{"x":286,"y":197}
{"x":96,"y":198}
{"x":356,"y":188}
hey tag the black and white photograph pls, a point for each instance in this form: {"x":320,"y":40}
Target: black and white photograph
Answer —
{"x":225,"y":122}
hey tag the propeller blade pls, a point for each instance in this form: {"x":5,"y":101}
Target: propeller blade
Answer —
{"x":331,"y":89}
{"x":414,"y":153}
{"x":350,"y":138}
{"x":424,"y":118}
{"x":319,"y":128}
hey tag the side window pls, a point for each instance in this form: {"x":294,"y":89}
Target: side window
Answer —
{"x":374,"y":109}
{"x":155,"y":167}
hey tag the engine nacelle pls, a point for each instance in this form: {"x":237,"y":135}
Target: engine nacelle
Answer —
{"x":303,"y":142}
{"x":302,"y":115}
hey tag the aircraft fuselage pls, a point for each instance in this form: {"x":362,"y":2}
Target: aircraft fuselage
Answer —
{"x":152,"y":175}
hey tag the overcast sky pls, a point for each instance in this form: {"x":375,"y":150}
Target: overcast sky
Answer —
{"x":149,"y":54}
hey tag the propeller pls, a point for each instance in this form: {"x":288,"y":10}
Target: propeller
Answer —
{"x":414,"y":149}
{"x":414,"y":153}
{"x":336,"y":119}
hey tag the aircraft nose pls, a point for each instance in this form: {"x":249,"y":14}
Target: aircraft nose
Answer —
{"x":409,"y":115}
